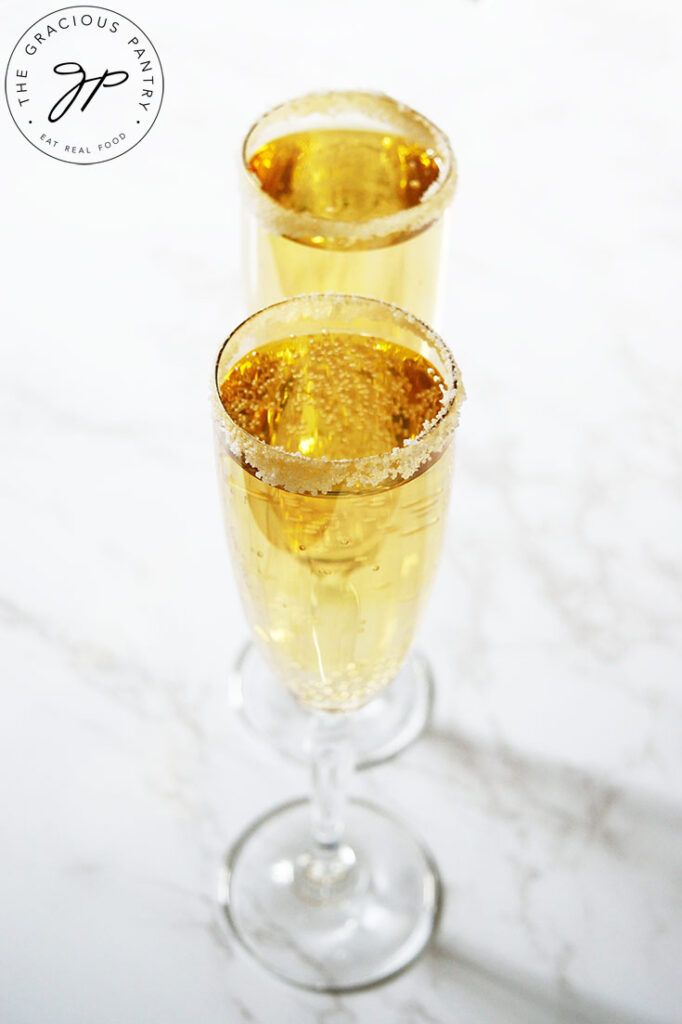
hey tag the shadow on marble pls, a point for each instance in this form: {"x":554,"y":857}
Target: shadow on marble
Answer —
{"x":500,"y":987}
{"x":631,"y":825}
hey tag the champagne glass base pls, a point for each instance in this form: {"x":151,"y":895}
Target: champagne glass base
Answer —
{"x":379,"y":731}
{"x":374,"y":928}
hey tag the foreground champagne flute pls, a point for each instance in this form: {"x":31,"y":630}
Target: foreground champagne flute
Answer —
{"x":334,"y":418}
{"x":344,"y":192}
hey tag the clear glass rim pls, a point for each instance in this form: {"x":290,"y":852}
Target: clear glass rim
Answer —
{"x":380,"y":230}
{"x":300,"y":473}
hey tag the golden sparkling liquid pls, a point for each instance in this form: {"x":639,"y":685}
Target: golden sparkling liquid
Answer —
{"x":352,"y":176}
{"x":333,"y":583}
{"x":345,"y":175}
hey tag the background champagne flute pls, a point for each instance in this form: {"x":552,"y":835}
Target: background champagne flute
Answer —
{"x":345,"y":192}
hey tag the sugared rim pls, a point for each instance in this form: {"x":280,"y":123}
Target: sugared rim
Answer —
{"x":345,"y":234}
{"x":302,"y":474}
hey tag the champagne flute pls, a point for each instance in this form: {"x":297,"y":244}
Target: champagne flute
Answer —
{"x":334,"y":421}
{"x":344,"y":192}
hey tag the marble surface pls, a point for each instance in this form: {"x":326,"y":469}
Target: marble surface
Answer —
{"x":549,"y":785}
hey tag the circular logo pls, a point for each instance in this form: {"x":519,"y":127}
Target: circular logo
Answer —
{"x":84,"y":84}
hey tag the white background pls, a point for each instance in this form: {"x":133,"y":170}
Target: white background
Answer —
{"x":549,"y":787}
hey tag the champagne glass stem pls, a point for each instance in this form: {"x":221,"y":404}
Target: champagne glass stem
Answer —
{"x":332,"y":767}
{"x":326,"y":869}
